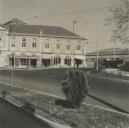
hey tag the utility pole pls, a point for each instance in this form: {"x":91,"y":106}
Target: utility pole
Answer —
{"x":41,"y":36}
{"x":13,"y":64}
{"x":97,"y":47}
{"x":114,"y":50}
{"x":97,"y":53}
{"x":74,"y":22}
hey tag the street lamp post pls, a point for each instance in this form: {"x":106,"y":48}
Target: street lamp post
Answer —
{"x":97,"y":54}
{"x":97,"y":47}
{"x":41,"y":40}
{"x":13,"y":65}
{"x":114,"y":50}
{"x":74,"y":22}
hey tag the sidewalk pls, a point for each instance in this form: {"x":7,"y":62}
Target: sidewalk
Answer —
{"x":14,"y":117}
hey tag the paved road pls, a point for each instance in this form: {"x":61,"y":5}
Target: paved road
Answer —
{"x":13,"y":117}
{"x":111,"y":90}
{"x":49,"y":81}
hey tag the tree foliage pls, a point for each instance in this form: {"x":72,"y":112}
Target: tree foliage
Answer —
{"x":120,"y":17}
{"x":75,"y":87}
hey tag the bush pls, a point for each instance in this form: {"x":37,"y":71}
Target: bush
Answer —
{"x":75,"y":87}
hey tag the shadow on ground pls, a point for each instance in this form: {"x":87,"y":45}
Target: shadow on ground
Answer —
{"x":64,"y":103}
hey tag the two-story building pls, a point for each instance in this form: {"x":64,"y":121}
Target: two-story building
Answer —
{"x":23,"y":45}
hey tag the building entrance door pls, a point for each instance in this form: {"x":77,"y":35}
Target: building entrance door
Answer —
{"x":11,"y":62}
{"x":46,"y":62}
{"x":78,"y":62}
{"x":33,"y":62}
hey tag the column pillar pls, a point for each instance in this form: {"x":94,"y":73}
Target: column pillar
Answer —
{"x":62,"y":61}
{"x":39,"y":62}
{"x":84,"y":62}
{"x":72,"y":61}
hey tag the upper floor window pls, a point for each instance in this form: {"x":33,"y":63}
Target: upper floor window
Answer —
{"x":68,"y":46}
{"x":47,"y":45}
{"x":58,"y":46}
{"x":0,"y":39}
{"x":24,"y":39}
{"x":13,"y":41}
{"x":78,"y":47}
{"x":34,"y":45}
{"x":13,"y":45}
{"x":23,"y":44}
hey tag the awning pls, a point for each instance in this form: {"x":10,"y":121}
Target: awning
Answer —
{"x":23,"y":56}
{"x":80,"y":57}
{"x":33,"y":56}
{"x":47,"y":56}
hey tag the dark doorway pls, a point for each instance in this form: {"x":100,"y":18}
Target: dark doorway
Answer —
{"x":78,"y":62}
{"x":11,"y":62}
{"x":46,"y":62}
{"x":33,"y":62}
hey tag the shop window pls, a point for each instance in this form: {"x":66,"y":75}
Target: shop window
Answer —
{"x":57,"y":60}
{"x":68,"y":61}
{"x":24,"y":61}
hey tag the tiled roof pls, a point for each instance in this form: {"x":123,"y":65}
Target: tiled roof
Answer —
{"x":19,"y":27}
{"x":46,"y":30}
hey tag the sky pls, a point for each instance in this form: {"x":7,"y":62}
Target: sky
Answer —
{"x":63,"y":13}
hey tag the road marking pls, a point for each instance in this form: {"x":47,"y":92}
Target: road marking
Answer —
{"x":48,"y":94}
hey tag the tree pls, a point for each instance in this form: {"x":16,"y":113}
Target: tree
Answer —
{"x":75,"y":87}
{"x":120,"y":17}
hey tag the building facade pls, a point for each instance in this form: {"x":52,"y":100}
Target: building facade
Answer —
{"x":108,"y":54}
{"x":23,"y":45}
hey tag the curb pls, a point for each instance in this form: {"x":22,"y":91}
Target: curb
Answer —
{"x":51,"y":123}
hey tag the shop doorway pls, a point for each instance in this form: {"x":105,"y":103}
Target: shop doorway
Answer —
{"x":78,"y":62}
{"x":33,"y":62}
{"x":46,"y":62}
{"x":11,"y":62}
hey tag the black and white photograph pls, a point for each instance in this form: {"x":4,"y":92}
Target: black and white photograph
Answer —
{"x":64,"y":63}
